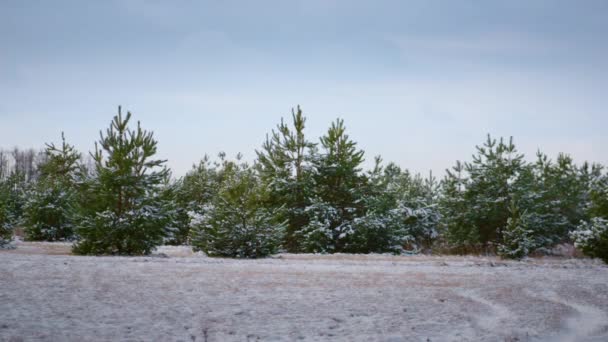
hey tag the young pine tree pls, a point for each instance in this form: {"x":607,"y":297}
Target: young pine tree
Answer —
{"x":519,"y":235}
{"x":12,"y":198}
{"x":400,"y":212}
{"x":236,"y":223}
{"x":592,"y":238}
{"x":457,"y":218}
{"x":6,"y":226}
{"x":381,"y":228}
{"x":338,"y":186}
{"x":193,"y":191}
{"x":120,"y":210}
{"x":591,"y":235}
{"x":284,"y":163}
{"x":551,"y":194}
{"x":476,"y":214}
{"x":597,"y":192}
{"x":47,"y":211}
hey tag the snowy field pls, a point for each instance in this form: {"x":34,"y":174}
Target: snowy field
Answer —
{"x":47,"y":294}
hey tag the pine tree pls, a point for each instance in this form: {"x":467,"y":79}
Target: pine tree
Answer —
{"x":400,"y":212}
{"x":592,"y":238}
{"x":489,"y":187}
{"x":519,"y":235}
{"x":383,"y":225}
{"x":551,"y":194}
{"x":591,"y":235}
{"x":12,"y":198}
{"x":6,"y":226}
{"x":284,"y":163}
{"x":195,"y":190}
{"x":338,"y":183}
{"x":235,"y":223}
{"x":457,"y":218}
{"x":47,"y":211}
{"x":597,"y":192}
{"x":120,"y":210}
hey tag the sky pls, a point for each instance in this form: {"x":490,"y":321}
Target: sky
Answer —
{"x":418,"y":82}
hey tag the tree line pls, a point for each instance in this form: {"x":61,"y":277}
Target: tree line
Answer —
{"x":300,"y":195}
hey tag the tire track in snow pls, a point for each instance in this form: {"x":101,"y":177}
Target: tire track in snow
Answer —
{"x":585,"y":325}
{"x":493,"y":320}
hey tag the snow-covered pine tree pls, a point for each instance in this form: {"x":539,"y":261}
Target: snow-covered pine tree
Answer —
{"x":457,"y":219}
{"x":597,"y":192}
{"x":519,"y":235}
{"x":47,"y":210}
{"x":551,"y":194}
{"x":6,"y":226}
{"x":382,"y":227}
{"x":338,"y":183}
{"x":119,"y":208}
{"x":400,"y":211}
{"x":592,"y":238}
{"x":235,"y":222}
{"x":476,"y":205}
{"x":284,"y":164}
{"x":591,"y":235}
{"x":419,"y":201}
{"x":551,"y":198}
{"x":193,"y":191}
{"x":12,"y":197}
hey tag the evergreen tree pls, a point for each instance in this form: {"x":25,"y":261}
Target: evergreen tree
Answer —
{"x":193,"y":191}
{"x":382,"y":227}
{"x":120,"y":210}
{"x":592,"y":238}
{"x":6,"y":226}
{"x":400,"y":211}
{"x":476,"y":208}
{"x":597,"y":192}
{"x":519,"y":235}
{"x":457,"y":219}
{"x":338,"y":185}
{"x":591,"y":235}
{"x":12,"y":198}
{"x":284,"y":163}
{"x":235,"y":223}
{"x":551,"y":194}
{"x":47,"y":211}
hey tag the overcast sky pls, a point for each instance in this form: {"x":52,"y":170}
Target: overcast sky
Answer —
{"x":419,"y":82}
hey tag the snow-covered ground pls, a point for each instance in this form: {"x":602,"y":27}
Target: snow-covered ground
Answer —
{"x":47,"y":294}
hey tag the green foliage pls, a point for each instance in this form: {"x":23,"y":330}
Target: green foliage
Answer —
{"x":457,"y":217}
{"x":337,"y":191}
{"x":11,"y":205}
{"x":592,"y":238}
{"x":597,"y":205}
{"x":284,"y":164}
{"x":552,"y":195}
{"x":519,"y":235}
{"x":400,"y":212}
{"x":235,"y":223}
{"x":193,"y":191}
{"x":476,"y":208}
{"x":300,"y":197}
{"x":120,"y":208}
{"x":478,"y":198}
{"x":47,"y":211}
{"x":6,"y":227}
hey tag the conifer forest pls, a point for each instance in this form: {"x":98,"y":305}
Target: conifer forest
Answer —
{"x":303,"y":170}
{"x":300,"y":195}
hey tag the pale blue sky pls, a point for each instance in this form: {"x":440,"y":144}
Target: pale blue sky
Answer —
{"x":419,"y":82}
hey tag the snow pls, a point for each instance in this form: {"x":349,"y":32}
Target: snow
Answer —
{"x":177,"y":295}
